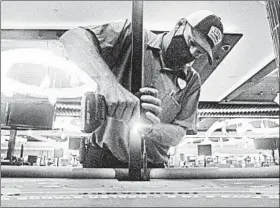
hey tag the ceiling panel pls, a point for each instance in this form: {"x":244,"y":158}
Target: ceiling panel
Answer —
{"x":264,"y":91}
{"x":255,"y":80}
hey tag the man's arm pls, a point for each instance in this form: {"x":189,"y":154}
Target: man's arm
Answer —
{"x":82,"y":47}
{"x":166,"y":134}
{"x":185,"y":121}
{"x":172,"y":134}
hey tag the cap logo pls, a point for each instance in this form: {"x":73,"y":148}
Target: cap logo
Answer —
{"x":215,"y":35}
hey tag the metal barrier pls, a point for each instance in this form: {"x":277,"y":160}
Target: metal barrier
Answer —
{"x":122,"y":174}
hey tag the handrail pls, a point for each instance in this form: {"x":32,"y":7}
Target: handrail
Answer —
{"x":121,"y":174}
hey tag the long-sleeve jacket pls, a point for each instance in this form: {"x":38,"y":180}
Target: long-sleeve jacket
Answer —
{"x":178,"y":91}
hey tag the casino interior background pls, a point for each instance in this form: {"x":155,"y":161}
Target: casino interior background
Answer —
{"x":238,"y":109}
{"x":238,"y":117}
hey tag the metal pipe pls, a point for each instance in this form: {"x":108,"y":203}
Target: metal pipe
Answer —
{"x":137,"y":46}
{"x":108,"y":173}
{"x":135,"y":152}
{"x":56,"y":172}
{"x":215,"y":173}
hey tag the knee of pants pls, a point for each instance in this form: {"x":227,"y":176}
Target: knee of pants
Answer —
{"x":94,"y":157}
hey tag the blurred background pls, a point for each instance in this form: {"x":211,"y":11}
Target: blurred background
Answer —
{"x":238,"y":122}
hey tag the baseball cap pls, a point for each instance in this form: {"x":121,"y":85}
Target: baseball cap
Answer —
{"x":207,"y":30}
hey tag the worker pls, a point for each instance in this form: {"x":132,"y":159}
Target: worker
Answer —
{"x":172,"y":87}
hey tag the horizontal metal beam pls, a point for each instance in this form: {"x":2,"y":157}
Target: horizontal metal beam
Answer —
{"x":238,"y":116}
{"x":234,"y":134}
{"x":31,"y":34}
{"x":215,"y":173}
{"x":55,"y":172}
{"x":164,"y":173}
{"x":37,"y":34}
{"x":252,"y":81}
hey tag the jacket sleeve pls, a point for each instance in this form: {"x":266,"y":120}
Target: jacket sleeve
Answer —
{"x":184,"y":122}
{"x":111,"y":39}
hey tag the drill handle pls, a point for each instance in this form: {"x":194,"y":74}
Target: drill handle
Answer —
{"x":93,"y":111}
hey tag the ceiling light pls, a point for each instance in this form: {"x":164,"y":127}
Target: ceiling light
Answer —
{"x":46,"y":58}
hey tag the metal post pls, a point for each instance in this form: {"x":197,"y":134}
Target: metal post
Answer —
{"x":135,"y":148}
{"x":21,"y":151}
{"x":135,"y":155}
{"x":137,"y":46}
{"x":11,"y":144}
{"x":273,"y":155}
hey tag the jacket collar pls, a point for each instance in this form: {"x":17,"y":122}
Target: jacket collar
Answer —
{"x":155,"y":41}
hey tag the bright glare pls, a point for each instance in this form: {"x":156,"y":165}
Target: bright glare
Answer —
{"x":29,"y":132}
{"x":44,"y":58}
{"x":52,"y":99}
{"x":137,"y":126}
{"x":221,"y":142}
{"x":8,"y":93}
{"x":46,"y":82}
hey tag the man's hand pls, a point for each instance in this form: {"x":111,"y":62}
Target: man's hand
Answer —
{"x":150,"y":102}
{"x":83,"y":48}
{"x":121,"y":104}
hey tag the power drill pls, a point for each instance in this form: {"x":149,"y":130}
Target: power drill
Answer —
{"x":93,"y":111}
{"x":93,"y":114}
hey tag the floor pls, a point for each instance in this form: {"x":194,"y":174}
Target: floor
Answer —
{"x":44,"y":192}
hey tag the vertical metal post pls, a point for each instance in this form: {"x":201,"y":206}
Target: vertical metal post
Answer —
{"x":11,"y":144}
{"x":21,"y":151}
{"x":135,"y":147}
{"x":137,"y":46}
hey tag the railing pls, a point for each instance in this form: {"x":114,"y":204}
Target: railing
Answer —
{"x":122,"y":174}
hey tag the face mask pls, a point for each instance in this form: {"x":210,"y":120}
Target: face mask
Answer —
{"x":177,"y":53}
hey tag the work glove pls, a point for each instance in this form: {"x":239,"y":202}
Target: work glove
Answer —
{"x":150,"y":104}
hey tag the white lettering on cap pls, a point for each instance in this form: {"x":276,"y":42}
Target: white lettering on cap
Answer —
{"x":215,"y":35}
